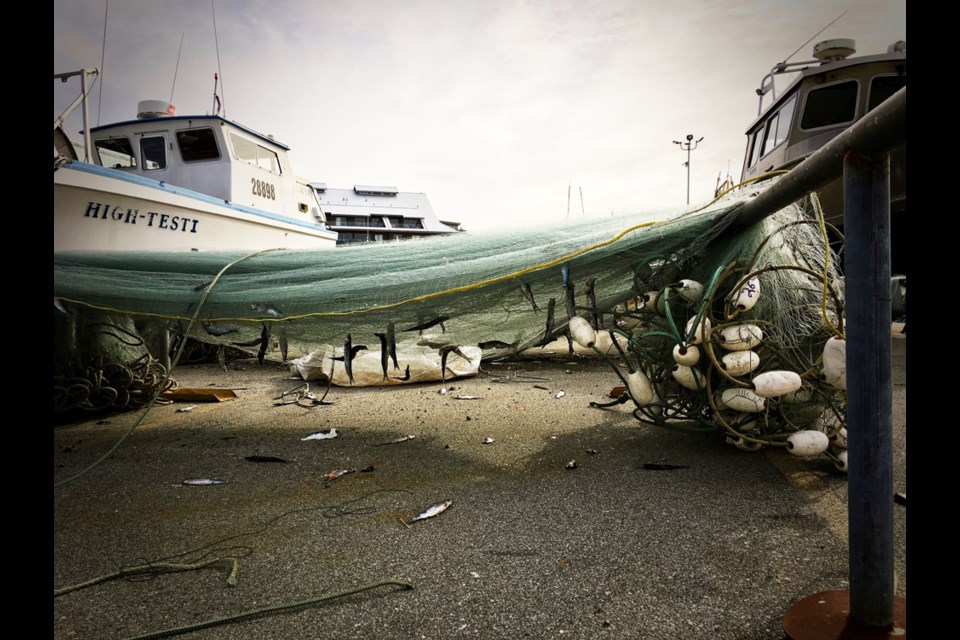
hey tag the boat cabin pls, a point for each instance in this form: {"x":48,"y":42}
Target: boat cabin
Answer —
{"x":826,"y":96}
{"x":207,"y":154}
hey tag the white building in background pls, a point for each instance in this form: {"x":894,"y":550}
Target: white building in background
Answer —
{"x":379,"y":214}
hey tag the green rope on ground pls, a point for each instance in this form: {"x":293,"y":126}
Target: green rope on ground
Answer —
{"x":152,"y":568}
{"x":248,"y":615}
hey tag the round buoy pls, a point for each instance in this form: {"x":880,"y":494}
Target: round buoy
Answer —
{"x":687,"y":356}
{"x":581,"y":331}
{"x":807,"y":443}
{"x":835,"y":363}
{"x":748,"y":295}
{"x":688,"y":377}
{"x":702,"y":331}
{"x":638,"y":384}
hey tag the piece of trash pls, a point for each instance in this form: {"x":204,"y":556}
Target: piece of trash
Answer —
{"x":187,"y":409}
{"x":442,"y":391}
{"x":572,"y":464}
{"x":336,"y":473}
{"x":540,"y":386}
{"x":900,"y":498}
{"x":322,"y":435}
{"x":488,"y":440}
{"x":431,"y":511}
{"x":199,"y":482}
{"x":367,"y":469}
{"x":467,"y":398}
{"x":658,"y":466}
{"x":395,"y":440}
{"x":265,"y":459}
{"x":617,"y":391}
{"x":560,"y":394}
{"x":182,"y":394}
{"x":474,"y":574}
{"x":592,"y":452}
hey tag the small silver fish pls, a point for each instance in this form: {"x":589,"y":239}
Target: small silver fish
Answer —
{"x":322,"y":435}
{"x":431,"y":511}
{"x":467,"y":398}
{"x":336,"y":473}
{"x":269,"y":309}
{"x":395,"y":440}
{"x":203,"y":481}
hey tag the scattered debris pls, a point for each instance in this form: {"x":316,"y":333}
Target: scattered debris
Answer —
{"x":662,"y":466}
{"x":560,"y":394}
{"x":322,"y":435}
{"x":592,"y":452}
{"x":187,"y":409}
{"x":396,"y":440}
{"x":199,"y":482}
{"x":474,"y":574}
{"x":540,"y":386}
{"x":442,"y":391}
{"x":572,"y":464}
{"x":617,"y":391}
{"x":265,"y":459}
{"x":467,"y":398}
{"x":488,"y":440}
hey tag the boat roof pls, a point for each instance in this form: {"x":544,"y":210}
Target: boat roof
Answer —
{"x":815,"y":67}
{"x":152,"y":121}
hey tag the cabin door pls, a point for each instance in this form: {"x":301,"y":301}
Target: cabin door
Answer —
{"x":155,"y":151}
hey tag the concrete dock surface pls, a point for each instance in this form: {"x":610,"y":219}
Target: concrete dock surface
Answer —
{"x":531,"y":545}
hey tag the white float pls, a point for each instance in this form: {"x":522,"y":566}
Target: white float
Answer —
{"x":841,"y":462}
{"x":807,"y":443}
{"x":690,"y":290}
{"x":839,"y":439}
{"x":581,"y":331}
{"x":739,"y":363}
{"x":835,"y":363}
{"x":688,"y":377}
{"x":743,"y":445}
{"x":748,"y":294}
{"x":638,"y":384}
{"x":773,"y":384}
{"x":688,"y":356}
{"x":653,"y":301}
{"x":702,"y":331}
{"x":741,"y":337}
{"x":741,"y":399}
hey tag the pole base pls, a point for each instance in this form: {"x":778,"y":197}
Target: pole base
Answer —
{"x":826,"y":616}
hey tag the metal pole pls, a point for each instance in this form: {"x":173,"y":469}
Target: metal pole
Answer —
{"x":688,"y":173}
{"x":866,"y":184}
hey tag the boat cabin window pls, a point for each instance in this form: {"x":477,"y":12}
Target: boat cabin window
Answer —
{"x":778,"y":126}
{"x":882,"y":87}
{"x":153,"y":153}
{"x":198,"y":144}
{"x":254,"y":154}
{"x":831,"y":105}
{"x":116,"y":153}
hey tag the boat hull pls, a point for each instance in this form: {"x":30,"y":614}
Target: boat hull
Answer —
{"x":98,"y":209}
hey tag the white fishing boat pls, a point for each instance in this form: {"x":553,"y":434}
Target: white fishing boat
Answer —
{"x":168,"y":182}
{"x":823,"y":98}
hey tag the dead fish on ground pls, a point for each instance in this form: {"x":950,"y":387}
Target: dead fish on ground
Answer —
{"x":467,"y":398}
{"x":431,"y":511}
{"x":187,"y":409}
{"x":432,"y":323}
{"x":662,"y":466}
{"x":265,"y":459}
{"x":199,"y":482}
{"x":322,"y":435}
{"x":395,"y":440}
{"x":336,"y":473}
{"x":268,"y":309}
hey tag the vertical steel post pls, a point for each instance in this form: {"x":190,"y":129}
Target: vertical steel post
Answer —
{"x":866,"y":184}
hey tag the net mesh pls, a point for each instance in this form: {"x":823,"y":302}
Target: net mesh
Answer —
{"x":501,"y":292}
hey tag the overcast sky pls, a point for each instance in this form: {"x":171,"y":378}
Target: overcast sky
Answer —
{"x":493,"y":108}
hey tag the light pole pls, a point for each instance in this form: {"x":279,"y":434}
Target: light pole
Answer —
{"x":688,"y":146}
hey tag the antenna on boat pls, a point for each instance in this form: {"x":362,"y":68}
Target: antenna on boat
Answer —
{"x":103,"y":53}
{"x":219,"y":67}
{"x":176,"y":69}
{"x":813,"y":36}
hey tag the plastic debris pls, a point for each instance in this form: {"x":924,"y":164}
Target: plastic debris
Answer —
{"x":322,"y":435}
{"x":201,"y":482}
{"x":572,"y":464}
{"x":560,"y":394}
{"x":488,"y":440}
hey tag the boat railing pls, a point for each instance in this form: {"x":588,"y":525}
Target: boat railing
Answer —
{"x":85,"y":86}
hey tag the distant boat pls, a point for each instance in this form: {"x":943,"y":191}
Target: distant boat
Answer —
{"x":167,"y":182}
{"x":824,"y":98}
